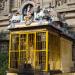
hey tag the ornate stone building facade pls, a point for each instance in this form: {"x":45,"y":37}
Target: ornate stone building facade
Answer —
{"x":66,"y":7}
{"x":10,"y":7}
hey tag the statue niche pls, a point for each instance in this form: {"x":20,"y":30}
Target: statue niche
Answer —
{"x":28,"y":13}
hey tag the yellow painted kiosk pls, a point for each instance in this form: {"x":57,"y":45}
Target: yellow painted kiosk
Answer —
{"x":43,"y":45}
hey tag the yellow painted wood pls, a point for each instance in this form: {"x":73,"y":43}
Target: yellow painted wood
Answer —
{"x":54,"y":52}
{"x":66,"y":54}
{"x":9,"y":50}
{"x":35,"y":52}
{"x":47,"y":51}
{"x":55,"y":46}
{"x":19,"y":50}
{"x":28,"y":31}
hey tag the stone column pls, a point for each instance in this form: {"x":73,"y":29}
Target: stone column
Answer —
{"x":8,"y":6}
{"x":19,"y":3}
{"x":16,"y":3}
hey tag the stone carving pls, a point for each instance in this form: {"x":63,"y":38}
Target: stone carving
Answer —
{"x":35,"y":16}
{"x":2,"y":4}
{"x":28,"y":14}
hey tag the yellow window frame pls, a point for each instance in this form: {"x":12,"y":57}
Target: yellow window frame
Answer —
{"x":27,"y":33}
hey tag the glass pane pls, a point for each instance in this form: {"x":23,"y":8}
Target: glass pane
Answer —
{"x":14,"y":56}
{"x":23,"y":42}
{"x":14,"y":64}
{"x":14,"y":42}
{"x":14,"y":59}
{"x":23,"y":57}
{"x":31,"y":38}
{"x":41,"y":41}
{"x":41,"y":60}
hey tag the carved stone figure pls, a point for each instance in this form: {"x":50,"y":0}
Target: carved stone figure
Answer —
{"x":34,"y":15}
